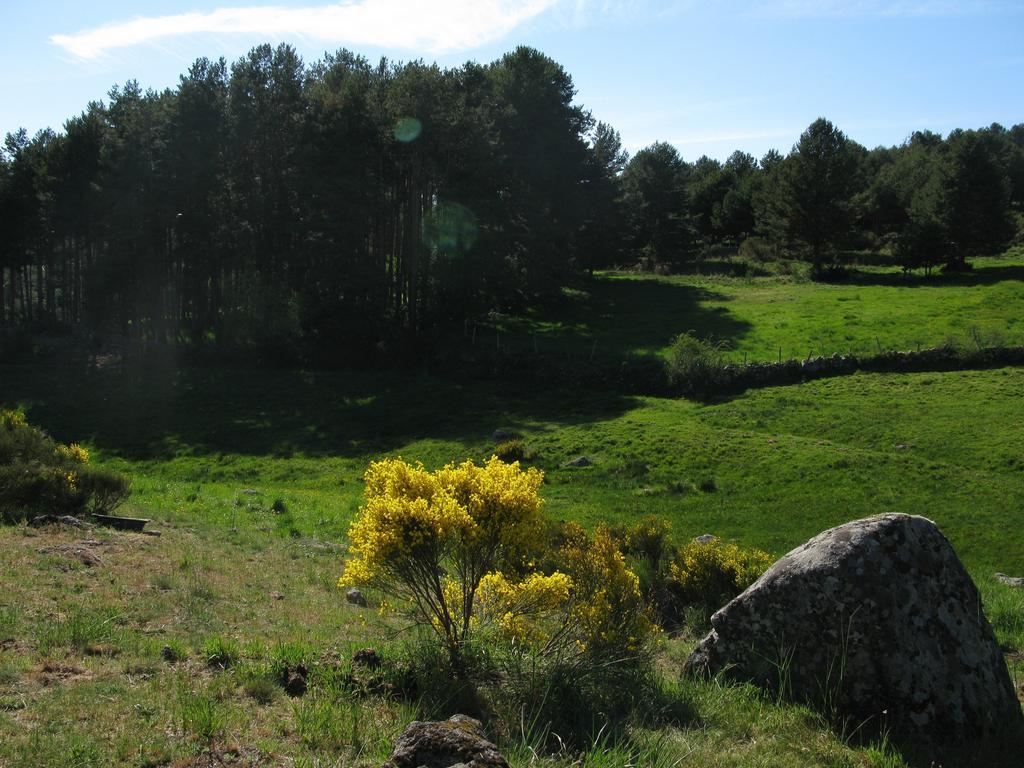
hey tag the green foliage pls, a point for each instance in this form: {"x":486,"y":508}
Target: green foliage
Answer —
{"x":757,"y":249}
{"x":40,"y":476}
{"x":202,"y":716}
{"x":76,"y":631}
{"x":221,"y":652}
{"x":695,"y":366}
{"x":511,"y":451}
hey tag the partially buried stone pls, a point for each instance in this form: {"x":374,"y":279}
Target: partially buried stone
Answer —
{"x":295,"y":680}
{"x":1010,"y":581}
{"x":579,"y":461}
{"x":458,"y":741}
{"x":366,"y":657}
{"x":355,"y":597}
{"x":878,"y":621}
{"x":41,"y":520}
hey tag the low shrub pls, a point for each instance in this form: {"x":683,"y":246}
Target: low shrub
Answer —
{"x":512,"y":450}
{"x":429,"y":538}
{"x":41,"y":476}
{"x":221,"y":652}
{"x":757,"y":249}
{"x":695,"y":367}
{"x":713,"y":572}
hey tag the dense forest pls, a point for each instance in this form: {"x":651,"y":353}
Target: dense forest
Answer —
{"x":347,"y":208}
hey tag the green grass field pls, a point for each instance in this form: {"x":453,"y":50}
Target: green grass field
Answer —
{"x":85,"y":675}
{"x":757,"y":317}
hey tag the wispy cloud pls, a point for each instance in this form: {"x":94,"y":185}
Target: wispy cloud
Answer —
{"x":881,"y":8}
{"x":438,"y":26}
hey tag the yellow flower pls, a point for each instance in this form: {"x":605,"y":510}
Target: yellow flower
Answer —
{"x":74,"y":453}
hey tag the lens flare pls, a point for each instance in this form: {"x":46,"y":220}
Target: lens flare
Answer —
{"x":450,"y":228}
{"x":408,"y":129}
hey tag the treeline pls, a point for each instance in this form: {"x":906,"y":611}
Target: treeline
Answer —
{"x":344,"y":205}
{"x":349,"y":208}
{"x":929,"y":202}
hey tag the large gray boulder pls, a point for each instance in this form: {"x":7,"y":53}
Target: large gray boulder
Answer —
{"x":454,"y":743}
{"x":876,"y":621}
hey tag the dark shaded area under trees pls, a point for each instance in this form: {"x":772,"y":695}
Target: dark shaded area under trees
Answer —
{"x":343,"y":213}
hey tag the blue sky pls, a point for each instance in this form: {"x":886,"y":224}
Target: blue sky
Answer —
{"x":709,"y":77}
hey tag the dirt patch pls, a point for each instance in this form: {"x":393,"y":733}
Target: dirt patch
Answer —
{"x":236,"y":757}
{"x":52,"y":673}
{"x":83,"y":551}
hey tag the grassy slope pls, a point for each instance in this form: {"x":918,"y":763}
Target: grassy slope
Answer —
{"x":211,"y":450}
{"x":755,"y":316}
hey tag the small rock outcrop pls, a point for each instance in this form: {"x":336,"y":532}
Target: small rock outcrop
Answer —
{"x":355,"y":597}
{"x":1010,"y":581}
{"x":367,"y":657}
{"x":458,"y":741}
{"x":41,"y":520}
{"x":579,"y":461}
{"x":296,"y":680}
{"x":876,"y":621}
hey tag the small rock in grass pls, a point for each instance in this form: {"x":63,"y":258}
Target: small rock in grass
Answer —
{"x":579,"y":461}
{"x":251,"y":492}
{"x":458,"y":741}
{"x":296,"y":681}
{"x":705,"y":538}
{"x":101,"y":649}
{"x":1010,"y":581}
{"x":41,"y":520}
{"x":355,"y":597}
{"x":170,"y":654}
{"x":366,"y":657}
{"x":276,"y":596}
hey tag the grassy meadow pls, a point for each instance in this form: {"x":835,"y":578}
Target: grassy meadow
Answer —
{"x":765,"y":313}
{"x":124,"y":649}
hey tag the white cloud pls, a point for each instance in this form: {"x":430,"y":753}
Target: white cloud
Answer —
{"x":438,"y":26}
{"x":880,"y":8}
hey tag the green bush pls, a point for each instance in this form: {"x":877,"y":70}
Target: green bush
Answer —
{"x":512,"y":450}
{"x":41,"y":476}
{"x":695,"y":367}
{"x":757,"y":249}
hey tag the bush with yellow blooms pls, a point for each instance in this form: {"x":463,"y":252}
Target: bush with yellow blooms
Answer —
{"x":429,"y":538}
{"x":39,"y":475}
{"x":455,"y":545}
{"x":707,"y":572}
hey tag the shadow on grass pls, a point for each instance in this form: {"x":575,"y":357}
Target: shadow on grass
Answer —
{"x":160,"y":409}
{"x":978,"y":276}
{"x":1003,"y":750}
{"x":157,"y":411}
{"x":615,"y":316}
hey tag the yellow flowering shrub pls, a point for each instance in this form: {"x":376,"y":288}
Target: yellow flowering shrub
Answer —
{"x":12,"y":420}
{"x":705,"y":572}
{"x":39,"y":475}
{"x":430,"y":537}
{"x":608,"y":612}
{"x":73,"y":453}
{"x":530,"y":612}
{"x":648,"y":538}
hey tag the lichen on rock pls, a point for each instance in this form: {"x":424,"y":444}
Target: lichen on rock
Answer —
{"x":875,"y":621}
